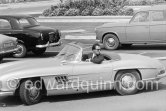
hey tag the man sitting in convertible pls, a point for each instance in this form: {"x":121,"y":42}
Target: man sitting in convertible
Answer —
{"x":96,"y":56}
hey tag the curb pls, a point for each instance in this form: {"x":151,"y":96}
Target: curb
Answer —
{"x":84,"y":19}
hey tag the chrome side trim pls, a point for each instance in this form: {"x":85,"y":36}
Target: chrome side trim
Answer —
{"x":6,"y":94}
{"x":49,"y":45}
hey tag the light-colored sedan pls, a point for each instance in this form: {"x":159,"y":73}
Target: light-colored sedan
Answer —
{"x":70,"y":73}
{"x":147,"y":26}
{"x":7,"y":45}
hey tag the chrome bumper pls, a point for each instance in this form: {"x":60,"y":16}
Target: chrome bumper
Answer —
{"x":9,"y":51}
{"x":2,"y":94}
{"x":158,"y":77}
{"x":49,"y":45}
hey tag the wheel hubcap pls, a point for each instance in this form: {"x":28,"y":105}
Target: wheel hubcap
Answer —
{"x":128,"y":81}
{"x":20,"y":50}
{"x":34,"y":92}
{"x":111,"y":42}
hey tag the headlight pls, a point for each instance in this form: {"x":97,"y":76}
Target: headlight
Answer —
{"x":162,"y":71}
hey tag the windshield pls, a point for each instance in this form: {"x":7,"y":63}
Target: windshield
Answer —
{"x":28,"y":22}
{"x":69,"y":53}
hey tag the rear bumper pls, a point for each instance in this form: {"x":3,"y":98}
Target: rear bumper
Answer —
{"x":49,"y":45}
{"x":9,"y":51}
{"x":2,"y":94}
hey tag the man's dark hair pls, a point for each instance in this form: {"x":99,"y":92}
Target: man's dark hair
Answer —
{"x":94,"y":46}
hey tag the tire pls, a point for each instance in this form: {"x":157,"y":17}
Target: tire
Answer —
{"x":1,"y":58}
{"x":126,"y":82}
{"x":126,"y":45}
{"x":22,"y":51}
{"x":39,"y":51}
{"x":111,"y":42}
{"x":28,"y":92}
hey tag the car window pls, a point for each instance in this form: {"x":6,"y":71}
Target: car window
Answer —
{"x":4,"y":24}
{"x":141,"y":17}
{"x":157,"y":15}
{"x":26,"y":22}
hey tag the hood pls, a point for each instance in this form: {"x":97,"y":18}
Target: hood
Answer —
{"x":41,"y":29}
{"x":4,"y":38}
{"x":117,"y":24}
{"x":28,"y":65}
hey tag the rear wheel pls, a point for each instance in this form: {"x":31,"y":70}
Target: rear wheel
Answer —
{"x":39,"y":51}
{"x":22,"y":51}
{"x":30,"y":92}
{"x":111,"y":42}
{"x":126,"y":82}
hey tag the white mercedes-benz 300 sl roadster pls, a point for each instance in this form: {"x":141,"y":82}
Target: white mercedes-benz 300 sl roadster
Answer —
{"x":69,"y":73}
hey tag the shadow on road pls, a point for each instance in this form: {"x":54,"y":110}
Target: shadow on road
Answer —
{"x":144,"y":47}
{"x":155,"y":86}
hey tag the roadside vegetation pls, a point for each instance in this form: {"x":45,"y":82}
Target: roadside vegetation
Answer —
{"x":95,"y":7}
{"x":18,"y":1}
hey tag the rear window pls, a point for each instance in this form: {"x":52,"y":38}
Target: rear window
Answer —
{"x":4,"y":24}
{"x":158,"y":15}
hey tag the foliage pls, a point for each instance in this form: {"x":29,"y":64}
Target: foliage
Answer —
{"x":95,"y":7}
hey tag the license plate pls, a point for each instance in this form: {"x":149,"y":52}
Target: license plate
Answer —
{"x":7,"y":45}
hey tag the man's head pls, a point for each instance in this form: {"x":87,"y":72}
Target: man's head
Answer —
{"x":96,"y":49}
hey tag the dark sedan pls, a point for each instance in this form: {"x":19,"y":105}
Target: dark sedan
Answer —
{"x":30,"y":34}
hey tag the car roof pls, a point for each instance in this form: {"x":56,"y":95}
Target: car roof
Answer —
{"x":154,"y":7}
{"x":15,"y":16}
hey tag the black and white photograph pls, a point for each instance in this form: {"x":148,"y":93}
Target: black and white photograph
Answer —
{"x":82,"y":55}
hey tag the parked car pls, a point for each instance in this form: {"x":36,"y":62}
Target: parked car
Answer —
{"x":31,"y":36}
{"x":147,"y":26}
{"x":68,"y":73}
{"x":7,"y":45}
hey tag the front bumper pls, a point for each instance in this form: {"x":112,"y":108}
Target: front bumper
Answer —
{"x":2,"y":94}
{"x":158,"y":77}
{"x":9,"y":51}
{"x":49,"y":45}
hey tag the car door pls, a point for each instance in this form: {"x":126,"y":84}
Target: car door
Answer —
{"x":158,"y":26}
{"x":89,"y":74}
{"x":138,"y":28}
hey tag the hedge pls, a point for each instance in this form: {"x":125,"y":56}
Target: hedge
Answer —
{"x":88,"y":8}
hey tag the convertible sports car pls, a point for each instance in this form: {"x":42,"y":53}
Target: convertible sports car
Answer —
{"x":69,"y":73}
{"x":148,"y":26}
{"x":7,"y":45}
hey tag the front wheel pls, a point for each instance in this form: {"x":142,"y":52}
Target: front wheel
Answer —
{"x":30,"y":92}
{"x":126,"y":82}
{"x":111,"y":42}
{"x":39,"y":51}
{"x":22,"y":51}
